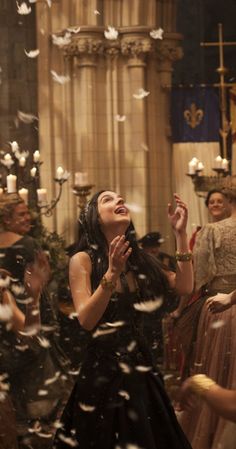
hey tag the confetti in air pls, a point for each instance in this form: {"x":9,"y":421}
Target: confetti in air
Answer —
{"x":157,"y":34}
{"x":32,"y":53}
{"x":115,"y":324}
{"x":42,"y":392}
{"x":86,"y":407}
{"x":53,"y":379}
{"x":131,"y":346}
{"x":111,"y":34}
{"x":120,"y":118}
{"x":148,"y":306}
{"x":44,"y":342}
{"x":74,"y":30}
{"x":144,"y":146}
{"x":25,"y":117}
{"x":61,"y":79}
{"x":143,"y":369}
{"x":68,"y":440}
{"x":100,"y":332}
{"x":124,"y":394}
{"x":134,"y":208}
{"x":23,"y":9}
{"x":125,"y":368}
{"x":218,"y":324}
{"x":140,"y":94}
{"x":61,"y":41}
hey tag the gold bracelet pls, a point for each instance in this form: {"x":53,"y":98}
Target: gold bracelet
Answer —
{"x":183,"y":257}
{"x":200,"y":384}
{"x":107,"y":285}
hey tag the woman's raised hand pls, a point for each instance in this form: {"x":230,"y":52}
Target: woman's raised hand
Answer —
{"x":119,"y":252}
{"x":178,"y":218}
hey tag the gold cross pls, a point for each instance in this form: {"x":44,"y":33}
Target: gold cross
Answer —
{"x":225,"y":125}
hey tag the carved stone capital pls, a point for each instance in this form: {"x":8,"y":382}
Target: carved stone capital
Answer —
{"x":134,"y":46}
{"x":168,"y":52}
{"x":134,"y":43}
{"x":80,"y":46}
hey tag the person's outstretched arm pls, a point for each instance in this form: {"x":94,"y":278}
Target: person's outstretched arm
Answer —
{"x":221,"y":400}
{"x":183,"y":279}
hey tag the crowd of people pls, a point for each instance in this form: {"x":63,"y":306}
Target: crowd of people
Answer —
{"x":122,"y":288}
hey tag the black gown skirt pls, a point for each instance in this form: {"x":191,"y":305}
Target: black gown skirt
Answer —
{"x":119,"y":400}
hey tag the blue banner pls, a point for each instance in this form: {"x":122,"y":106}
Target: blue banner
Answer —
{"x":195,"y":114}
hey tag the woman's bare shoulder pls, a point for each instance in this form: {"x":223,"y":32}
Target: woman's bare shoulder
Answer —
{"x":81,"y":259}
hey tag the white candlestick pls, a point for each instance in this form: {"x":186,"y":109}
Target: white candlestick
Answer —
{"x":24,"y":194}
{"x":22,"y":161}
{"x":225,"y":164}
{"x":36,"y":156}
{"x":192,"y":167}
{"x":81,"y":179}
{"x":42,"y":195}
{"x":60,"y":172}
{"x":11,"y":183}
{"x":200,"y":166}
{"x":8,"y":160}
{"x":14,"y":146}
{"x":33,"y":171}
{"x":218,"y":162}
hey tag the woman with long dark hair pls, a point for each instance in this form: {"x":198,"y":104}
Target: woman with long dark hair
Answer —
{"x":119,"y":398}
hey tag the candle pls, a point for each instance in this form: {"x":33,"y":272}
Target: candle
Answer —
{"x":42,"y":195}
{"x":200,"y":166}
{"x":225,"y":164}
{"x":36,"y":156}
{"x":14,"y":146}
{"x":24,"y":194}
{"x":22,"y":161}
{"x":11,"y":183}
{"x":218,"y":162}
{"x":192,"y":167}
{"x":60,"y":172}
{"x":8,"y":160}
{"x":33,"y":171}
{"x":81,"y":179}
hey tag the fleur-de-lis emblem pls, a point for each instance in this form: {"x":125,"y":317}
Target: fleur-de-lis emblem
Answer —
{"x":193,"y":116}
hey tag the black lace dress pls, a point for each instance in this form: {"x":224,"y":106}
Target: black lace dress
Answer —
{"x":119,"y":400}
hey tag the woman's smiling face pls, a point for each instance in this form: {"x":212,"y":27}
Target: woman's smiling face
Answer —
{"x":112,"y":210}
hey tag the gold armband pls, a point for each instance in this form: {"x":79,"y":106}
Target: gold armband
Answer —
{"x":183,"y":257}
{"x":200,"y":384}
{"x":107,"y":285}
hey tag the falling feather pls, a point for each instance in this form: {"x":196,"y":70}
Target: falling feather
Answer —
{"x":100,"y":332}
{"x":25,"y":117}
{"x":61,"y":41}
{"x":32,"y":53}
{"x":218,"y":324}
{"x":111,"y":34}
{"x":148,"y":306}
{"x":23,"y":9}
{"x":157,"y":34}
{"x":86,"y":407}
{"x":140,"y":94}
{"x":61,"y":79}
{"x":74,"y":30}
